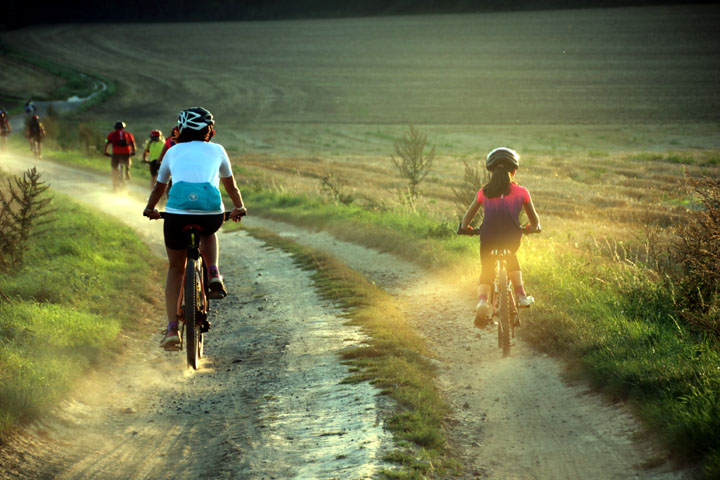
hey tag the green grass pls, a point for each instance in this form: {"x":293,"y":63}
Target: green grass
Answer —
{"x":616,"y":325}
{"x":62,"y":315}
{"x":395,"y":360}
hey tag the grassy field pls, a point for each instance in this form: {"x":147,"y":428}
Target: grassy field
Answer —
{"x":611,"y":110}
{"x":602,"y":79}
{"x":59,"y":315}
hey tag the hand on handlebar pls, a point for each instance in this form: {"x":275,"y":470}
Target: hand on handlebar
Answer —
{"x":152,"y":214}
{"x":528,"y":229}
{"x":238,"y":213}
{"x":466,"y":231}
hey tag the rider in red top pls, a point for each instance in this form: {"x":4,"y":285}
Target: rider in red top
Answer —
{"x":123,"y":145}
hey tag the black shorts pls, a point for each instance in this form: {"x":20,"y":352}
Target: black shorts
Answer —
{"x":154,"y":167}
{"x":119,"y":159}
{"x":487,"y":259}
{"x":176,"y":239}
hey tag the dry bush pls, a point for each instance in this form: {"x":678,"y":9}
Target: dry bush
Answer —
{"x":23,"y":208}
{"x":697,"y":252}
{"x":474,"y":177}
{"x":331,"y":186}
{"x":411,"y":161}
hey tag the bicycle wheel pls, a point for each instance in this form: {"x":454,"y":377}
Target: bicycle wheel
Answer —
{"x":201,"y":307}
{"x":191,"y":301}
{"x":504,"y":312}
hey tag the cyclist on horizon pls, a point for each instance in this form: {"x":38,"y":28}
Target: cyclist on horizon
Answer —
{"x":502,"y":200}
{"x":123,"y":145}
{"x":197,"y":167}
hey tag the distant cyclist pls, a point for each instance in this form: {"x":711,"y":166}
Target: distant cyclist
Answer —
{"x":4,"y":128}
{"x":29,"y":107}
{"x":502,"y":200}
{"x":123,"y":147}
{"x":151,"y":155}
{"x":197,"y":167}
{"x":35,"y":133}
{"x":169,"y":142}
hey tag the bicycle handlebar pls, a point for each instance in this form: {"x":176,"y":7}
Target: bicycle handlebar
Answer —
{"x":473,"y":232}
{"x":226,"y":215}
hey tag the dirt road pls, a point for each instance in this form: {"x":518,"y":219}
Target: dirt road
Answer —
{"x":513,"y":418}
{"x":267,"y":401}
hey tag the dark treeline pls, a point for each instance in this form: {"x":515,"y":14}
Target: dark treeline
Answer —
{"x":21,"y":13}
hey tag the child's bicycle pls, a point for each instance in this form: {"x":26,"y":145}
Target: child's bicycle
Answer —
{"x":193,"y":304}
{"x":503,"y":299}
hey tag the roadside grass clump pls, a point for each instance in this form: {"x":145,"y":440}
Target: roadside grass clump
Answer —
{"x":408,"y":233}
{"x":394,"y":359}
{"x":617,"y":323}
{"x":62,"y":311}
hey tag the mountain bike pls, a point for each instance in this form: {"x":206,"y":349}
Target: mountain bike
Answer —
{"x":503,"y":299}
{"x":193,"y":305}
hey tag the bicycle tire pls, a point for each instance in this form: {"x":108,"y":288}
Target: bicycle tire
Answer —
{"x":201,"y":310}
{"x":504,"y":312}
{"x":191,"y":330}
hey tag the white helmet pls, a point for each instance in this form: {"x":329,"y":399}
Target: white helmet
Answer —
{"x":195,"y":118}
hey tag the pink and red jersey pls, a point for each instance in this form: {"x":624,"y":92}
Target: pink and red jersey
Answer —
{"x":501,"y":222}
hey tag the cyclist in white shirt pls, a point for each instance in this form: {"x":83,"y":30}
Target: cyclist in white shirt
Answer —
{"x":196,"y":167}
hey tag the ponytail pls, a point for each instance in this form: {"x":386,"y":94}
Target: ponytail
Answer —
{"x":499,"y":183}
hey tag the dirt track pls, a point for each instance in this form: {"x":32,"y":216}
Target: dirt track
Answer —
{"x":275,"y":409}
{"x":267,"y":401}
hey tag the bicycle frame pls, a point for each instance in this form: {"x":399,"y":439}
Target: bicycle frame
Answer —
{"x":504,"y":302}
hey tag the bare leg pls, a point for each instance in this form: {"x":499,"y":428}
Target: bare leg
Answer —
{"x":484,"y":290}
{"x":516,"y":279}
{"x":209,"y":248}
{"x":173,"y":284}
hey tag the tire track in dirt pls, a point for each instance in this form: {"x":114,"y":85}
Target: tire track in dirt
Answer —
{"x":513,"y":418}
{"x":266,"y":402}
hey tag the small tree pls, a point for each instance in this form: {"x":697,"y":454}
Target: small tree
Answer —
{"x":411,"y":161}
{"x":22,"y":208}
{"x":475,"y":176}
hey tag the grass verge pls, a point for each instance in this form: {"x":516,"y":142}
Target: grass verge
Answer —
{"x":394,"y":359}
{"x":59,"y":313}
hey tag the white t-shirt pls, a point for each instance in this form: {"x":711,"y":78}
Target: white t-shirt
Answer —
{"x":195,"y":168}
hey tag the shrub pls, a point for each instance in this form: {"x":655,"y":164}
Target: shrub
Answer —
{"x":411,"y":161}
{"x":22,"y":210}
{"x":696,"y":252}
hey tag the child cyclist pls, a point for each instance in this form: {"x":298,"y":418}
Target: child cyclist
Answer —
{"x":502,"y":200}
{"x":197,"y":167}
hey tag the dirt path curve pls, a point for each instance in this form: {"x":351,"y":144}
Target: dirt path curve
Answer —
{"x":514,"y":418}
{"x":266,"y":403}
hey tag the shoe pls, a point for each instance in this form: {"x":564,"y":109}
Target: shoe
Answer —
{"x":482,"y":314}
{"x":524,"y":301}
{"x":171,"y":338}
{"x":216,"y":288}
